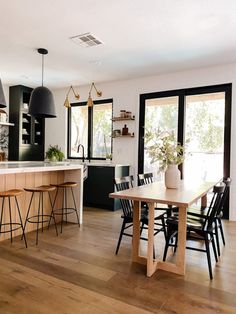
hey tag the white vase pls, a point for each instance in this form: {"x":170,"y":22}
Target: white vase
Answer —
{"x":172,"y":177}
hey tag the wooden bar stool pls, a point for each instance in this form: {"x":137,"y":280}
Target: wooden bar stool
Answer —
{"x":40,"y":218}
{"x":65,"y":210}
{"x":12,"y":224}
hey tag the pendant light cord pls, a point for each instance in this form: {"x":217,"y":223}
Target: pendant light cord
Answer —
{"x":42,"y":68}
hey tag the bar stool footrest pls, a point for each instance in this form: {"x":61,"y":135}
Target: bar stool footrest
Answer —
{"x":41,"y":220}
{"x":65,"y":211}
{"x":9,"y":225}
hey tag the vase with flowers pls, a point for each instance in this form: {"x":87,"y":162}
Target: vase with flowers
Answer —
{"x":162,"y":147}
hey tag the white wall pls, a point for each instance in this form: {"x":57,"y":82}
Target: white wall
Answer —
{"x":125,"y":95}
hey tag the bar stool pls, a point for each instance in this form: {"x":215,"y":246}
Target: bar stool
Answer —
{"x":13,"y":225}
{"x":40,"y":218}
{"x":65,"y":210}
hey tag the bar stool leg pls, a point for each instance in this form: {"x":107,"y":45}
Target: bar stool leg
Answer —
{"x":9,"y":204}
{"x":63,"y":204}
{"x":52,"y":205}
{"x":3,"y":200}
{"x":76,"y":211}
{"x":37,"y":234}
{"x":21,"y":222}
{"x":52,"y":213}
{"x":27,"y":215}
{"x":42,"y":210}
{"x":66,"y":203}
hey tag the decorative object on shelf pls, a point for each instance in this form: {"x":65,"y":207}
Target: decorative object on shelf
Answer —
{"x":54,"y":154}
{"x":41,"y":103}
{"x":2,"y":156}
{"x":122,"y":113}
{"x":116,"y":133}
{"x":67,"y":102}
{"x":3,"y":116}
{"x":2,"y":97}
{"x":162,"y":147}
{"x":125,"y":130}
{"x":114,"y":119}
{"x":90,"y":100}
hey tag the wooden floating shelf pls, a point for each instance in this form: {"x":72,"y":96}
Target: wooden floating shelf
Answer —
{"x":122,"y":119}
{"x":7,"y":124}
{"x":130,"y":135}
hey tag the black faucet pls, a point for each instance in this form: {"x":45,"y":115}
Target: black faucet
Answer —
{"x":80,"y":145}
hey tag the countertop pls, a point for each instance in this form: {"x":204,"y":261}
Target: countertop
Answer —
{"x":36,"y":166}
{"x":39,"y":166}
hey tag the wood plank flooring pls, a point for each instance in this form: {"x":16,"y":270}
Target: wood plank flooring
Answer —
{"x":78,"y":272}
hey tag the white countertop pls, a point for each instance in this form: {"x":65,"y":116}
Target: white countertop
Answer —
{"x":36,"y":166}
{"x":39,"y":166}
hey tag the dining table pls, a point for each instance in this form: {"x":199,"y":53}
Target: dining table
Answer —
{"x":156,"y":193}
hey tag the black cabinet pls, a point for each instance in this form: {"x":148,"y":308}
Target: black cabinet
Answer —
{"x":26,"y":138}
{"x":100,"y":183}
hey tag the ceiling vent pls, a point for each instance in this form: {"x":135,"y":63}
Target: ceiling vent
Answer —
{"x":87,"y":40}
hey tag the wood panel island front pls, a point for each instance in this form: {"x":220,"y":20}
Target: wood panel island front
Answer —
{"x":20,"y":175}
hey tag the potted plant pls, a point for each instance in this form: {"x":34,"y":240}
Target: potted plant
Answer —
{"x":163,"y":147}
{"x":54,"y":154}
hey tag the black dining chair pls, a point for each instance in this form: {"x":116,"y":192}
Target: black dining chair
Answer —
{"x":194,"y":213}
{"x":198,"y":229}
{"x":125,"y":183}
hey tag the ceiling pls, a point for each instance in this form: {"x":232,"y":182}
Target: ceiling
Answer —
{"x":141,"y":38}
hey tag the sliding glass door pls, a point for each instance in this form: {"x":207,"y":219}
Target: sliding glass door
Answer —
{"x":199,"y":116}
{"x":160,"y":113}
{"x":204,"y":129}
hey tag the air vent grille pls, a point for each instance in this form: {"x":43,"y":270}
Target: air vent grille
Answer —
{"x":87,"y":40}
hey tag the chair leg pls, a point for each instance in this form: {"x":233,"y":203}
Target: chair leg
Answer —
{"x":208,"y":256}
{"x":214,"y":248}
{"x":217,"y":238}
{"x":168,"y":238}
{"x":176,"y":243}
{"x":164,"y":226}
{"x":141,"y":228}
{"x":120,"y":237}
{"x":221,"y":230}
{"x":21,"y":222}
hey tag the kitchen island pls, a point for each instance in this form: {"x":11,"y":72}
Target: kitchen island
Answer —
{"x":24,"y":174}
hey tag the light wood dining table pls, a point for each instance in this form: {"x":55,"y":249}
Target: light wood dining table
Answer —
{"x":157,"y":193}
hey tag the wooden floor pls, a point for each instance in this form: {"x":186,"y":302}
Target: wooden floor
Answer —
{"x":77,"y":272}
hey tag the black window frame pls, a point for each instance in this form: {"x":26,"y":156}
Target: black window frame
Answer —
{"x":90,"y":129}
{"x":182,"y":93}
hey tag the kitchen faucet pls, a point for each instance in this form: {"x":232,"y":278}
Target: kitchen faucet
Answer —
{"x":80,"y":145}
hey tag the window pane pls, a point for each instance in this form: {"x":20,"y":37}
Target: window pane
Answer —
{"x":102,"y":127}
{"x":79,"y":129}
{"x":205,"y":131}
{"x":160,"y":113}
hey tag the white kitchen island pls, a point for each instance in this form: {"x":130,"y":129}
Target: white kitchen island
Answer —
{"x":31,"y":174}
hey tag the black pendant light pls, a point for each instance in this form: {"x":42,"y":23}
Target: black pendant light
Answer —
{"x":2,"y":97}
{"x":41,"y":103}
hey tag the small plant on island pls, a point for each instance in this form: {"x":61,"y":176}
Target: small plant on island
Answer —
{"x":54,"y":153}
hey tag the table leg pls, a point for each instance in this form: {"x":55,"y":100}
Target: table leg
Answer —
{"x":204,"y":200}
{"x":180,"y":262}
{"x":136,"y":230}
{"x":151,"y":264}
